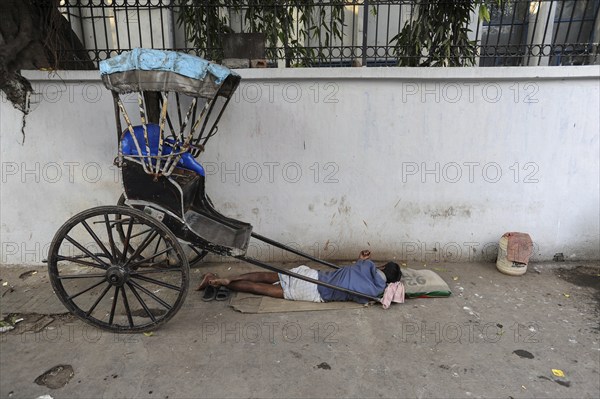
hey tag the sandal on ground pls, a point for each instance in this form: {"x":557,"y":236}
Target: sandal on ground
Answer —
{"x":210,"y":293}
{"x":223,"y":294}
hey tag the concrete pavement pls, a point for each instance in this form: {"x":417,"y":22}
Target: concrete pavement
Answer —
{"x":496,"y":336}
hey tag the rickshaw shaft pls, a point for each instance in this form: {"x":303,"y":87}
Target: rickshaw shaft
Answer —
{"x":292,"y":250}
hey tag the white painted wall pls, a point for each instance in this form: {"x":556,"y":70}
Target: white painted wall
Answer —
{"x":419,"y":164}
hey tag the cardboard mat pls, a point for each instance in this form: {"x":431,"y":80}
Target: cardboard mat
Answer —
{"x":250,"y":303}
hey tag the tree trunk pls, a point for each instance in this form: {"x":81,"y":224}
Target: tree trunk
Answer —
{"x":34,"y":35}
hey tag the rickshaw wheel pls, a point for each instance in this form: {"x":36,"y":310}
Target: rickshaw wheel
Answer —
{"x":194,"y":256}
{"x":130,"y":286}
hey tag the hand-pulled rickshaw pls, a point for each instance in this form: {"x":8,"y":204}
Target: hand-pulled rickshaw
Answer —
{"x":125,"y":268}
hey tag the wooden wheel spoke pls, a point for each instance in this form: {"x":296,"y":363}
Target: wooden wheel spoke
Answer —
{"x":84,"y":291}
{"x":157,"y":243}
{"x":114,"y":305}
{"x":143,"y":245}
{"x":151,"y":295}
{"x":126,"y":304}
{"x":200,"y":254}
{"x":95,"y":237}
{"x":75,"y":276}
{"x":141,"y":301}
{"x":127,"y":238}
{"x":157,"y":282}
{"x":139,"y":262}
{"x":141,"y":233}
{"x":111,"y":239}
{"x":154,"y":271}
{"x":86,"y":251}
{"x":97,"y":301}
{"x":79,"y":261}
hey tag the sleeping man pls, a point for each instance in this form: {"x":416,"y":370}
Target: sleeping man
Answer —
{"x":363,"y":276}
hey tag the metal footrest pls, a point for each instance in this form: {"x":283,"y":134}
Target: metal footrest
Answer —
{"x":219,"y":232}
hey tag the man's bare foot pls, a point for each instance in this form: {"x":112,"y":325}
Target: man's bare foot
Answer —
{"x":205,"y":280}
{"x":218,"y":282}
{"x":366,"y":254}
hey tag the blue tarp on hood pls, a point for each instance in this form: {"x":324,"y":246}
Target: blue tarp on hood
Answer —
{"x":159,"y":60}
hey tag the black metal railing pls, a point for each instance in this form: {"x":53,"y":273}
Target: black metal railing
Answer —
{"x":345,"y":33}
{"x":541,"y":33}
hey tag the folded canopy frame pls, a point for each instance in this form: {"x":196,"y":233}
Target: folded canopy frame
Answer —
{"x":146,"y":70}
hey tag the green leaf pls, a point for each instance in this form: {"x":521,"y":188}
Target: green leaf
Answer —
{"x":484,"y":13}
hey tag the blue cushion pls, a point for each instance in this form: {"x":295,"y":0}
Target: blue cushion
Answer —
{"x":187,"y":160}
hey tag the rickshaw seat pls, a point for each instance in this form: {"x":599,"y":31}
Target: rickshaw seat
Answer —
{"x":187,"y":160}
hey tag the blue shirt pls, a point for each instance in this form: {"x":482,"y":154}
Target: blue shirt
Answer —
{"x":361,"y":277}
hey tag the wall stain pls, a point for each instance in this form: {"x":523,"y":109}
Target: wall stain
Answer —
{"x":409,"y":211}
{"x":343,"y":208}
{"x":331,"y":202}
{"x":447,"y":213}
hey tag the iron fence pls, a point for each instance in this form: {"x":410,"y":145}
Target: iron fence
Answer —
{"x":344,"y":32}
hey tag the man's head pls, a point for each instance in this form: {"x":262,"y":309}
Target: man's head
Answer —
{"x":392,"y":272}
